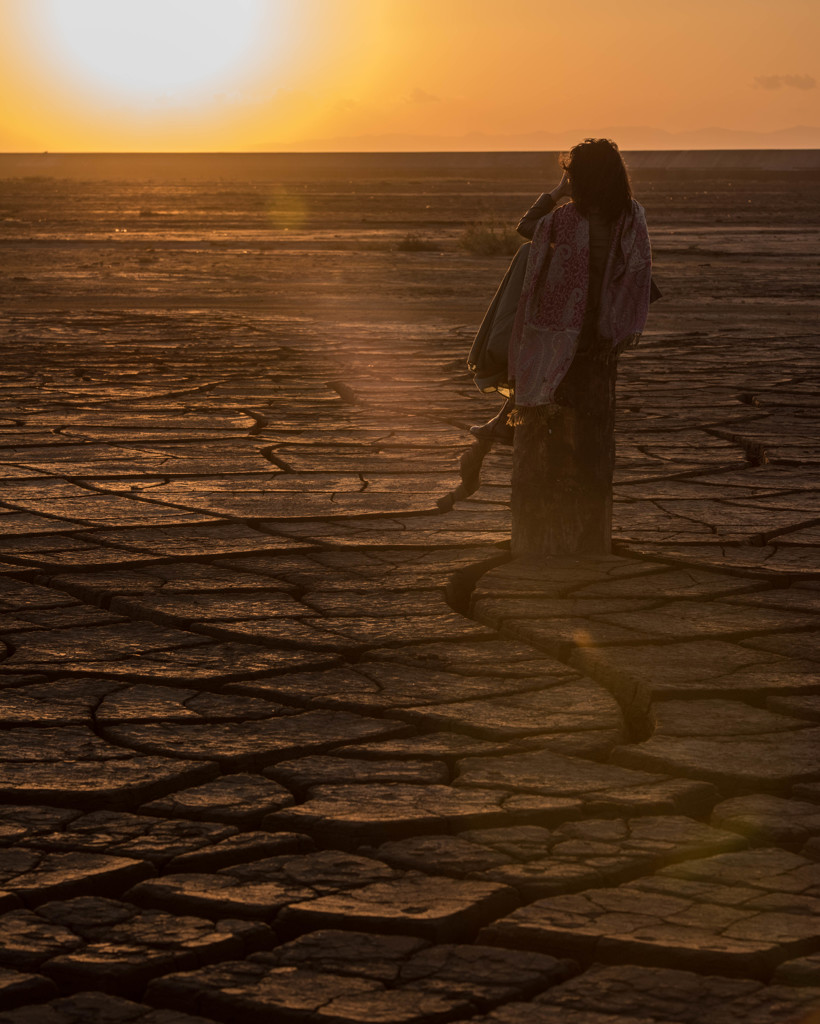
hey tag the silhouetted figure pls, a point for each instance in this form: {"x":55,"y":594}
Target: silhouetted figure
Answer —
{"x":582,"y":299}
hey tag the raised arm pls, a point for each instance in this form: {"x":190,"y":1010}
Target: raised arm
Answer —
{"x":543,"y":205}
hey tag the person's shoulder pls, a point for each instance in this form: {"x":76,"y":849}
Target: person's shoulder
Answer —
{"x":637,"y":213}
{"x":567,"y":211}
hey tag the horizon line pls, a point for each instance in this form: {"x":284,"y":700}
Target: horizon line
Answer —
{"x":385,"y":152}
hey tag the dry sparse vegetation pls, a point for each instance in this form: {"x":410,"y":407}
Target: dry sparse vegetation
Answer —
{"x":489,"y":239}
{"x":413,"y":242}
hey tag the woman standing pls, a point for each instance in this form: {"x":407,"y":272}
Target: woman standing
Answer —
{"x":585,"y":297}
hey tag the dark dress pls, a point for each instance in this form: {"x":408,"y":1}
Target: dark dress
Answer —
{"x":562,"y":473}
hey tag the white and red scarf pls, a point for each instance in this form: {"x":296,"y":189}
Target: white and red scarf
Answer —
{"x":553,"y":300}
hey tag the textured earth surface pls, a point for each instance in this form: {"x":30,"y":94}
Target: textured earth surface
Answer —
{"x":286,"y":734}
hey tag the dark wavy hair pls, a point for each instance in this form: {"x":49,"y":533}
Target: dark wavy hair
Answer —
{"x":599,"y":178}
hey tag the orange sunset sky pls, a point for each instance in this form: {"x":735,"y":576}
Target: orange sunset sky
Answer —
{"x":243,"y":75}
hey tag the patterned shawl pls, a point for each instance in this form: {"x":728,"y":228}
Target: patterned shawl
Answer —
{"x":553,"y":301}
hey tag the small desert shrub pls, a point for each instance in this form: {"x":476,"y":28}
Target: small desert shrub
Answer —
{"x":489,"y":240}
{"x":416,"y":243}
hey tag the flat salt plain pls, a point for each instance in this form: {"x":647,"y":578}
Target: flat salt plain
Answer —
{"x":287,"y":737}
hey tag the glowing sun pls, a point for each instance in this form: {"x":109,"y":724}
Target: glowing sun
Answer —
{"x":149,"y":50}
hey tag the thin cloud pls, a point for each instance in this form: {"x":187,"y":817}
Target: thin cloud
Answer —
{"x":785,"y":82}
{"x":420,"y":96}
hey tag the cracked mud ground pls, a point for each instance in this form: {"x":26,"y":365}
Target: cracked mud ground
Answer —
{"x":286,"y":736}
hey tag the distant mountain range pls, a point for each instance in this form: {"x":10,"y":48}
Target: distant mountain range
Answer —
{"x":627,"y":137}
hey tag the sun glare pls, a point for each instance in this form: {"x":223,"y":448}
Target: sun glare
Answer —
{"x":155,"y":50}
